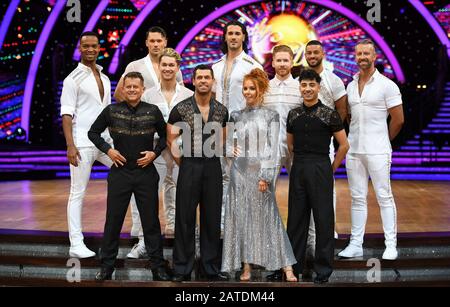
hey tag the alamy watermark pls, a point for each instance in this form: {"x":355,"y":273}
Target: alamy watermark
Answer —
{"x":374,"y":273}
{"x":74,"y":273}
{"x":252,"y":140}
{"x":74,"y":13}
{"x":374,"y":14}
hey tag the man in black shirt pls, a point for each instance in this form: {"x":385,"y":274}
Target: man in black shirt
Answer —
{"x":309,"y":131}
{"x":132,"y":125}
{"x":199,"y":177}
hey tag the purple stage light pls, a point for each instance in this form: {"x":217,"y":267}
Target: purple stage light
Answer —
{"x":7,"y":20}
{"x":32,"y":153}
{"x":130,"y":33}
{"x":34,"y":66}
{"x":326,"y":3}
{"x":91,"y":24}
{"x":433,"y":23}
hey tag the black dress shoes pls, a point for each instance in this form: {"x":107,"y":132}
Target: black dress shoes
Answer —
{"x":275,"y":276}
{"x":218,"y":277}
{"x":320,"y":279}
{"x":181,"y":277}
{"x":104,"y":274}
{"x":160,"y":274}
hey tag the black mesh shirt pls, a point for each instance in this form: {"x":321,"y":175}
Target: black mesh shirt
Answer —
{"x":132,"y":130}
{"x":313,"y":128}
{"x":188,"y":113}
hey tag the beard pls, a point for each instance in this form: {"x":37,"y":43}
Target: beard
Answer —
{"x":315,"y":65}
{"x":364,"y":64}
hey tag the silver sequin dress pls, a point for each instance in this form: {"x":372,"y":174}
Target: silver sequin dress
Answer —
{"x":253,"y":229}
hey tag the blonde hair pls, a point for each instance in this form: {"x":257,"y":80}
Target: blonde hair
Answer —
{"x":170,"y":52}
{"x":259,"y":77}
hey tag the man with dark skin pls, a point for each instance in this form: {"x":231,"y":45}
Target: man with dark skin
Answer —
{"x":86,"y":92}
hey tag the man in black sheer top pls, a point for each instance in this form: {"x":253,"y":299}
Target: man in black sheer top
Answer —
{"x":309,"y":131}
{"x":132,"y":125}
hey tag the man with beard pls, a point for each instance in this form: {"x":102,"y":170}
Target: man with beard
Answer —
{"x":148,"y":66}
{"x":283,"y":96}
{"x":199,"y":178}
{"x":229,"y":73}
{"x":332,"y":94}
{"x":372,"y":98}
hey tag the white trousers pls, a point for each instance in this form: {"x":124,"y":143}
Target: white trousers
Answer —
{"x":378,"y":167}
{"x":312,"y":227}
{"x":168,"y":173}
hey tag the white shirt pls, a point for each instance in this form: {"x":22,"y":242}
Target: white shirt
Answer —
{"x":156,"y":97}
{"x":145,"y":67}
{"x":368,"y":127}
{"x":80,"y":98}
{"x":331,"y":88}
{"x":282,"y":97}
{"x":229,"y":91}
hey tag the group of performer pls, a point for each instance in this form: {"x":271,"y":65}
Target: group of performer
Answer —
{"x":156,"y":138}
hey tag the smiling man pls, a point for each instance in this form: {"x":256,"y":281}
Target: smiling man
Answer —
{"x":309,"y":131}
{"x":372,"y":97}
{"x":85,"y":93}
{"x":199,"y":180}
{"x":148,"y":66}
{"x":283,"y":96}
{"x":229,"y":74}
{"x":132,"y":125}
{"x":332,"y":94}
{"x":166,"y":95}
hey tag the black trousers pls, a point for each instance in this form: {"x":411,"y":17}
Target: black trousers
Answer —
{"x":311,"y":188}
{"x":122,"y":183}
{"x":199,"y":182}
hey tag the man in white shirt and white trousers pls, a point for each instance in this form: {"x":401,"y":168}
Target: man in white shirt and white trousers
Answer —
{"x":372,"y":97}
{"x":166,"y":95}
{"x":86,"y":92}
{"x":229,"y":73}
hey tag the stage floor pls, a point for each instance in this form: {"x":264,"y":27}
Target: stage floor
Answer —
{"x":422,"y":206}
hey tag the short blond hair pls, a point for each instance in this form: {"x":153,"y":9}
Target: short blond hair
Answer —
{"x":170,"y":52}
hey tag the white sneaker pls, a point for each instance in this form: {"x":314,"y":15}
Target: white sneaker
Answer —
{"x":80,"y":251}
{"x":134,"y":231}
{"x":351,"y":251}
{"x":390,"y":253}
{"x":138,"y":251}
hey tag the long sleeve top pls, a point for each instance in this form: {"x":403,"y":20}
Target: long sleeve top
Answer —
{"x":132,"y":130}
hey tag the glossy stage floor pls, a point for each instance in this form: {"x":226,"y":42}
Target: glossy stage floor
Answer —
{"x":422,"y":206}
{"x":34,"y":241}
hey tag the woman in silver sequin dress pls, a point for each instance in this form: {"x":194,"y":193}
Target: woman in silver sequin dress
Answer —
{"x":253,"y":230}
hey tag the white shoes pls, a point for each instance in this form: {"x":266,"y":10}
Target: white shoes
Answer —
{"x":80,"y":251}
{"x":138,"y":251}
{"x":351,"y":251}
{"x":390,"y":253}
